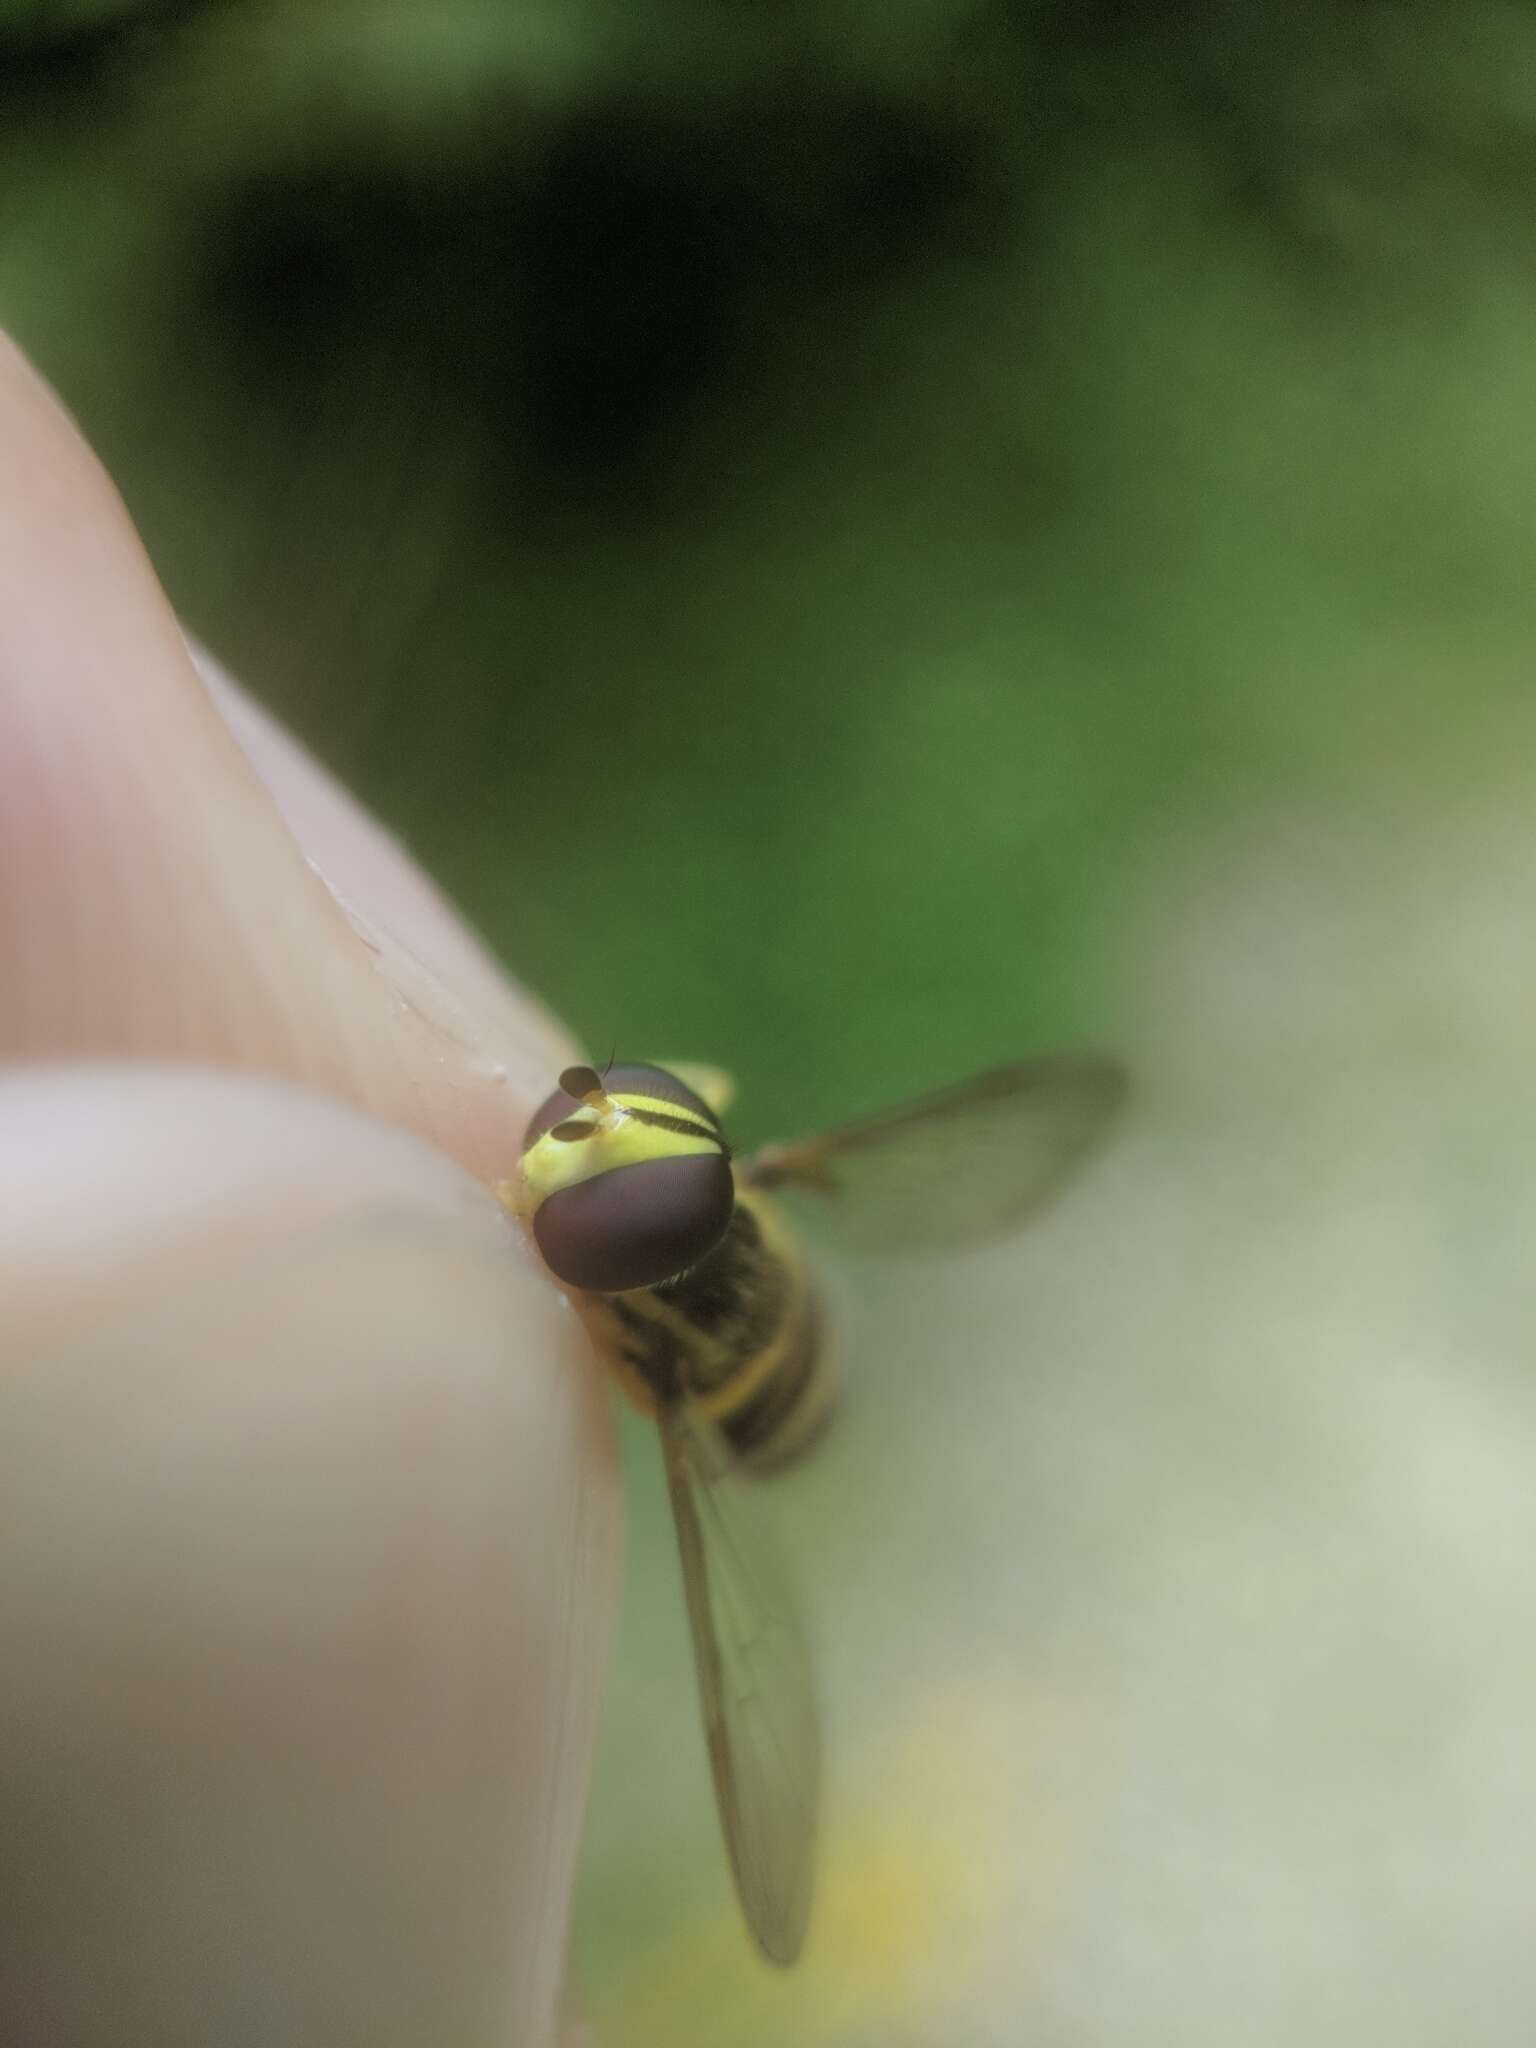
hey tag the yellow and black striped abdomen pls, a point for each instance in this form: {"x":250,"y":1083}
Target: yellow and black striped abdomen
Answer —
{"x":738,"y":1337}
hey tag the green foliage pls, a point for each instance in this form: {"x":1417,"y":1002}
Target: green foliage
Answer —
{"x":787,"y":507}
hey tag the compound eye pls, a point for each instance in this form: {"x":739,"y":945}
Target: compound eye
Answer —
{"x":628,"y":1177}
{"x":633,"y":1226}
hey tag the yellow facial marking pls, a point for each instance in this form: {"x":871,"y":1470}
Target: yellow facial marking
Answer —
{"x":618,"y":1138}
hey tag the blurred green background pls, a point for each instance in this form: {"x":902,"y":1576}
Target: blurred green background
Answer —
{"x":858,"y":542}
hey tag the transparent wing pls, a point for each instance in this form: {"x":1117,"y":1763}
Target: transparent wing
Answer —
{"x":755,"y":1689}
{"x":959,"y":1167}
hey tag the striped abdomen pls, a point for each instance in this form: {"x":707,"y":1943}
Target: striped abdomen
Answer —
{"x":738,"y":1337}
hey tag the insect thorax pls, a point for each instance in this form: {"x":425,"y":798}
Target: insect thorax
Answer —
{"x":737,"y":1337}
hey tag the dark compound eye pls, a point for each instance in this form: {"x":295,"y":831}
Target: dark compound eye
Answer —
{"x":639,"y":1222}
{"x":636,"y":1225}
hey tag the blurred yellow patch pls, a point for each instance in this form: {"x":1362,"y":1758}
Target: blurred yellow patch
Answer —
{"x":918,"y":1893}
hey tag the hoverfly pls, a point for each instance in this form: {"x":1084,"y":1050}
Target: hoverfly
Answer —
{"x":701,"y":1304}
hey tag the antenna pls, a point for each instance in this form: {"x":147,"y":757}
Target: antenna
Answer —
{"x":586,"y":1086}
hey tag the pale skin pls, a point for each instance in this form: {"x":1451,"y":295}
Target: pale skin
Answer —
{"x":308,"y":1498}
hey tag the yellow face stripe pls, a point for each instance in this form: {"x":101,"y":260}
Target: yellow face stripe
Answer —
{"x":618,"y":1138}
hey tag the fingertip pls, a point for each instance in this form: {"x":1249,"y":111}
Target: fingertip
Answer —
{"x":153,"y":901}
{"x":313,"y":1526}
{"x":386,"y":896}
